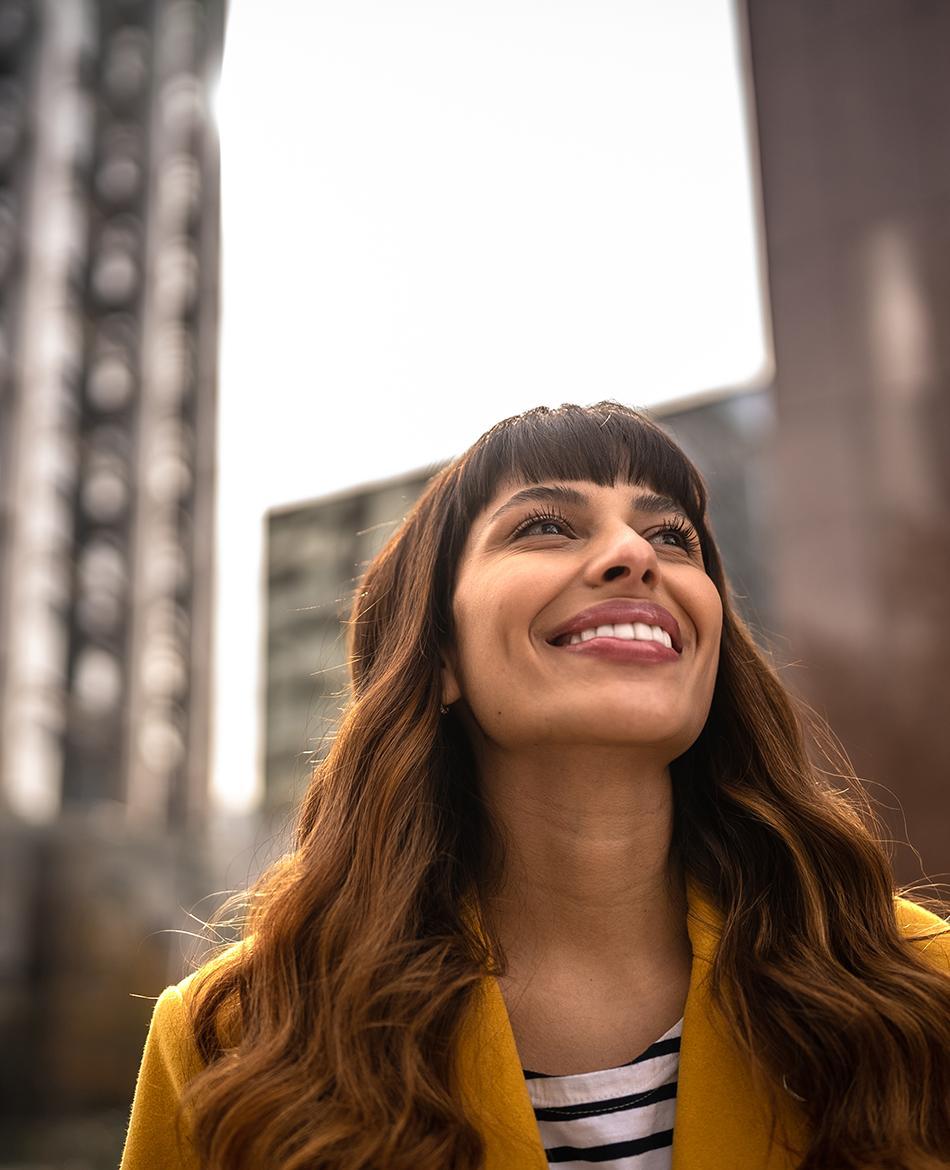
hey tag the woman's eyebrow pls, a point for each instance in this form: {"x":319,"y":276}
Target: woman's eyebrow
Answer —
{"x":653,"y":504}
{"x":643,"y":501}
{"x":542,"y":494}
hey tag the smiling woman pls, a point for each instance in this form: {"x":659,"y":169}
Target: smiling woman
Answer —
{"x":549,"y":605}
{"x":568,"y":887}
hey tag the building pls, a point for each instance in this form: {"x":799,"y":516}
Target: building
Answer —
{"x":314,"y":555}
{"x":109,"y":225}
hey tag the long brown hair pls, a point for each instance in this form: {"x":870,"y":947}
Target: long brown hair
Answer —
{"x":347,"y":1004}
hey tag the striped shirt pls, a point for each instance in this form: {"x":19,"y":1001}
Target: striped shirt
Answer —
{"x":617,"y":1118}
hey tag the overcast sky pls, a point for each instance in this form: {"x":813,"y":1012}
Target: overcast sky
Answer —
{"x":437,"y":214}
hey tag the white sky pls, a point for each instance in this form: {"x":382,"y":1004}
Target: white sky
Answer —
{"x":436,"y":214}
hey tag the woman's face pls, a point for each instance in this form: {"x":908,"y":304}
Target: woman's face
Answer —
{"x":551,"y":608}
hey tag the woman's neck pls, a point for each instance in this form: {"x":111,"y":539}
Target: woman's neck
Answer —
{"x":592,"y":912}
{"x":589,"y":879}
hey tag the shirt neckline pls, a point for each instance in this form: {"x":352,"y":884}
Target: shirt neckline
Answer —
{"x":669,"y":1034}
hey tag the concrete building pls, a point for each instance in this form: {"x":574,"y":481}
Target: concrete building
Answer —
{"x":315,"y":553}
{"x":109,"y":228}
{"x":851,"y":102}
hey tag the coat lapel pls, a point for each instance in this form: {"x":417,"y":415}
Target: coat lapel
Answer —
{"x":719,"y":1119}
{"x":493,"y":1085}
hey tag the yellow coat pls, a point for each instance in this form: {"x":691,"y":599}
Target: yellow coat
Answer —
{"x":719,"y":1121}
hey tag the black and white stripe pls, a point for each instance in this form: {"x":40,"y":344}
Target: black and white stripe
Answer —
{"x":615,"y":1118}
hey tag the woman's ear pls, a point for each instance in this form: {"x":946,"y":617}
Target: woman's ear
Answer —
{"x":451,"y":691}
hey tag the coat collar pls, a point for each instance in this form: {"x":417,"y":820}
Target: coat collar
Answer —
{"x":720,"y":1118}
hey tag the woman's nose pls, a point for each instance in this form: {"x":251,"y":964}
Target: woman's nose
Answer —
{"x":622,"y":553}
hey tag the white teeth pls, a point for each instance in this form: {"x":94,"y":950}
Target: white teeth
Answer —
{"x":662,"y":636}
{"x":630,"y":631}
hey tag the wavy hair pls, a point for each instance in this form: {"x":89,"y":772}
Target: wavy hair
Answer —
{"x":346,"y":1006}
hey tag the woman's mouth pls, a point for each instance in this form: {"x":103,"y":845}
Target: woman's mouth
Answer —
{"x":620,"y":643}
{"x":624,"y":631}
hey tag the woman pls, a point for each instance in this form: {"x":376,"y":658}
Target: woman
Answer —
{"x":566,"y":872}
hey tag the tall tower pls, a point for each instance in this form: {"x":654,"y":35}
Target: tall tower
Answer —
{"x":109,"y":223}
{"x":109,"y":274}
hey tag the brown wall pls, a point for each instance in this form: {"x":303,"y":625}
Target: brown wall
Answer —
{"x":852,"y":101}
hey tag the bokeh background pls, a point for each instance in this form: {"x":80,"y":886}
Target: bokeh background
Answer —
{"x":265,"y":266}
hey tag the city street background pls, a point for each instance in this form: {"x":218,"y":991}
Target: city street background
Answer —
{"x":264,"y":267}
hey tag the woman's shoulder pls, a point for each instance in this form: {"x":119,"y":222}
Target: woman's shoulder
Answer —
{"x":221,"y":959}
{"x":926,"y":930}
{"x":170,"y":1060}
{"x":917,"y":924}
{"x":172,"y":1015}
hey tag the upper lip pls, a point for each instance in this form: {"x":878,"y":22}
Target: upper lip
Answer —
{"x":621,"y":610}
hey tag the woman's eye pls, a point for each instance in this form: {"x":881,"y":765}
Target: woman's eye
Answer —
{"x":674,"y":535}
{"x":544,"y":526}
{"x":683,"y":537}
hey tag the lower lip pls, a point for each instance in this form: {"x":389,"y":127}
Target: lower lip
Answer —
{"x":623,"y":650}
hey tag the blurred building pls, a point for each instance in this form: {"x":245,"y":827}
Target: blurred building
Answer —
{"x":109,"y":227}
{"x":317,"y":551}
{"x":852,"y":103}
{"x":314,"y":554}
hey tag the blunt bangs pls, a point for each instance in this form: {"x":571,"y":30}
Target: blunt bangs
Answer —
{"x":605,"y":443}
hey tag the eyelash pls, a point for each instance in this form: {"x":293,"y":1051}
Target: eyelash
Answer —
{"x":675,"y":524}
